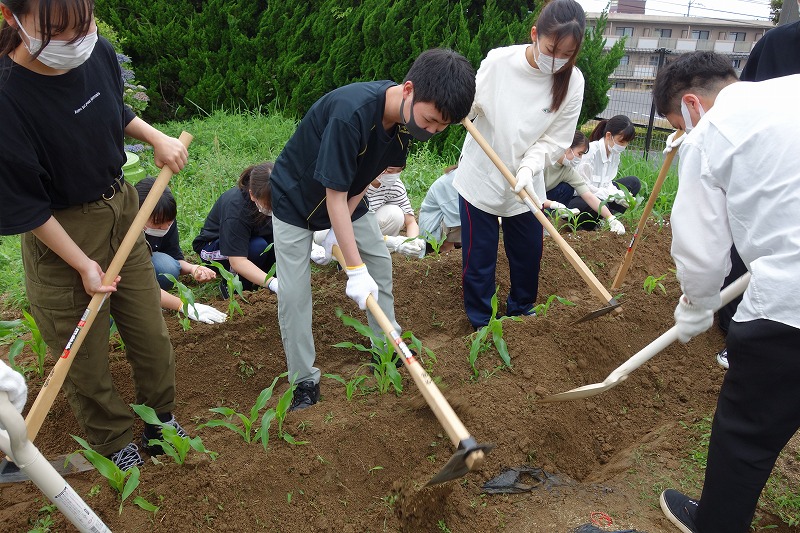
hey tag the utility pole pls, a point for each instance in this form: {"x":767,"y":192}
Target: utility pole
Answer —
{"x":662,"y":53}
{"x":689,"y":6}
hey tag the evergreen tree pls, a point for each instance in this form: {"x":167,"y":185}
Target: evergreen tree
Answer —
{"x":597,"y":66}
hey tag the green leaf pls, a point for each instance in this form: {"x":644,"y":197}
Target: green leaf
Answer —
{"x":225,"y":411}
{"x":263,"y":432}
{"x":336,"y":377}
{"x":133,"y":481}
{"x":147,"y":414}
{"x":146,"y":505}
{"x":502,"y":349}
{"x":288,"y":438}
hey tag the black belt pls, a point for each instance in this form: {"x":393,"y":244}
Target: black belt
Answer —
{"x":115,"y":186}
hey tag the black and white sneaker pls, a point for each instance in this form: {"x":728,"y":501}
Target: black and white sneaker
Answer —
{"x":127,"y":457}
{"x":306,"y":394}
{"x":153,"y":432}
{"x":679,"y":509}
{"x":722,"y":358}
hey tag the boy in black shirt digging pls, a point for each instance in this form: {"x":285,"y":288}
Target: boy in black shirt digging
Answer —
{"x":347,"y":138}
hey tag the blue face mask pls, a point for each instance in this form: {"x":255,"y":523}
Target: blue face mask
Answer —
{"x":419,"y":133}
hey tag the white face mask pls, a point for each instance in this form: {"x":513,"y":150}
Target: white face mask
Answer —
{"x":153,"y":232}
{"x":60,"y":55}
{"x":548,"y":64}
{"x":574,"y":162}
{"x":263,"y":210}
{"x":687,"y":119}
{"x":616,"y":148}
{"x":387,"y":180}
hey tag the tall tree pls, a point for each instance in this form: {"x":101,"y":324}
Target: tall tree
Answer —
{"x":597,"y":64}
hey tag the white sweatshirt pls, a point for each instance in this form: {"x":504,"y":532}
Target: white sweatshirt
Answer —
{"x":739,"y":182}
{"x":512,"y":111}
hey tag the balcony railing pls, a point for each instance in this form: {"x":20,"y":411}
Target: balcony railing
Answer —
{"x":635,"y":71}
{"x":681,"y":45}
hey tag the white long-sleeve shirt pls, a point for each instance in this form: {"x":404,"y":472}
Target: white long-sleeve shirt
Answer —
{"x":740,"y":183}
{"x":601,"y":166}
{"x":512,"y":107}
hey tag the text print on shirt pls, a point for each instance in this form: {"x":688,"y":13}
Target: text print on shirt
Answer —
{"x":89,"y":101}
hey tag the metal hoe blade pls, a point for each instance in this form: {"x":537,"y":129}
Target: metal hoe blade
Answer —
{"x":457,"y":466}
{"x":613,"y":304}
{"x":64,"y":465}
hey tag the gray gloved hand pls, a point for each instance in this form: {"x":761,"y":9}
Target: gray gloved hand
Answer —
{"x":360,"y":285}
{"x":525,"y":181}
{"x":412,"y":247}
{"x":672,"y":142}
{"x":273,"y":285}
{"x":615,"y":225}
{"x":205,"y":314}
{"x":13,"y":384}
{"x":691,"y":320}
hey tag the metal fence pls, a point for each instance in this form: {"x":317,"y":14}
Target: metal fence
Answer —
{"x":636,"y":101}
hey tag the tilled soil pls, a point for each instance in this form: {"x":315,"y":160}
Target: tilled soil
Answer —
{"x":366,"y":460}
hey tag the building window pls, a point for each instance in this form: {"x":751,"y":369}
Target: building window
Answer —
{"x":624,"y":60}
{"x":624,"y":31}
{"x":736,"y":36}
{"x":700,"y":35}
{"x":619,"y":85}
{"x":664,"y":33}
{"x":736,"y":63}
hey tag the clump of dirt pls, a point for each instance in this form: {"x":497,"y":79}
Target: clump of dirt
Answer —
{"x":366,"y":460}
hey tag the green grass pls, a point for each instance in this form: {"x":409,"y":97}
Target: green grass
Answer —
{"x":226,"y":143}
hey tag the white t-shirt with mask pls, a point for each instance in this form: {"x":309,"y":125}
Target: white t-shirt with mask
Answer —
{"x":599,"y":168}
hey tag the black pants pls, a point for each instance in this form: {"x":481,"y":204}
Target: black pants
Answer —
{"x":758,"y":411}
{"x":588,"y":217}
{"x":726,"y":312}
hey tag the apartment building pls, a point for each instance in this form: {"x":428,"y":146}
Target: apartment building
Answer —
{"x":645,"y":34}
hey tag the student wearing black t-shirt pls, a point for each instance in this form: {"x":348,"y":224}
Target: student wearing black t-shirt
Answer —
{"x":348,"y":137}
{"x":61,"y":186}
{"x":238,"y":230}
{"x":162,"y":237}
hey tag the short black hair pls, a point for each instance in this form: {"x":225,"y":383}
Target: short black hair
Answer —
{"x":446,"y":79}
{"x":165,"y":210}
{"x":700,"y":72}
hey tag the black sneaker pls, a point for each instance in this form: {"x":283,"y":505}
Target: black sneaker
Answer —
{"x":305,"y":395}
{"x":127,"y":457}
{"x":679,"y":509}
{"x":154,"y":432}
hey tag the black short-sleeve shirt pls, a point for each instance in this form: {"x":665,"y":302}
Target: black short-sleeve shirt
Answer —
{"x":61,"y":137}
{"x":168,"y":244}
{"x":340,"y":144}
{"x":234,"y":220}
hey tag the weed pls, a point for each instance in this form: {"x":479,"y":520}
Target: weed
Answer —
{"x":246,"y":370}
{"x":542,"y":309}
{"x":94,"y":491}
{"x":442,"y":525}
{"x":122,"y":482}
{"x":115,"y":339}
{"x":492,"y":333}
{"x":44,"y":519}
{"x":174,"y":445}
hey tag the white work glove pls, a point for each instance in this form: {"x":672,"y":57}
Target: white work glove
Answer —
{"x":393,"y":242}
{"x":12,"y":383}
{"x":525,"y":181}
{"x":318,"y":254}
{"x":615,"y":225}
{"x":360,"y":285}
{"x":327,"y":248}
{"x":672,"y":142}
{"x":566,"y":213}
{"x":206,"y":314}
{"x":412,"y":247}
{"x":556,"y":205}
{"x":691,"y":320}
{"x":273,"y":285}
{"x":615,"y":195}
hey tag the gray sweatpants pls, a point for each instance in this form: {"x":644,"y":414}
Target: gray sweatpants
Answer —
{"x":293,"y":255}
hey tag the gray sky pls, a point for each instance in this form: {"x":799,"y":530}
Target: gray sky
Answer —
{"x":722,"y":9}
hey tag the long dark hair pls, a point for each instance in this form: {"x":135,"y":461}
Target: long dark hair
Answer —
{"x":55,"y":16}
{"x":166,"y":209}
{"x":617,"y":125}
{"x":562,"y":19}
{"x":255,"y":180}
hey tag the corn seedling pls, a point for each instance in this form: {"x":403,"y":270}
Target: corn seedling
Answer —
{"x":114,"y":337}
{"x":351,"y":386}
{"x":248,"y":430}
{"x":542,"y":309}
{"x":573,"y":221}
{"x":187,"y":301}
{"x":436,"y":244}
{"x":651,"y":283}
{"x":14,"y":329}
{"x":234,"y":287}
{"x":122,"y":482}
{"x":492,"y":333}
{"x":174,"y":445}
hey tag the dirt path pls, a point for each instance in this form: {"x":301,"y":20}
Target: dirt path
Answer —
{"x":366,"y":459}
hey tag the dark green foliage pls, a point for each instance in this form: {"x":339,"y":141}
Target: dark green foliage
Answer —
{"x":597,"y":65}
{"x":199,"y":56}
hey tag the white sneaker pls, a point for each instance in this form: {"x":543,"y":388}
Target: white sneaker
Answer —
{"x":722,"y":358}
